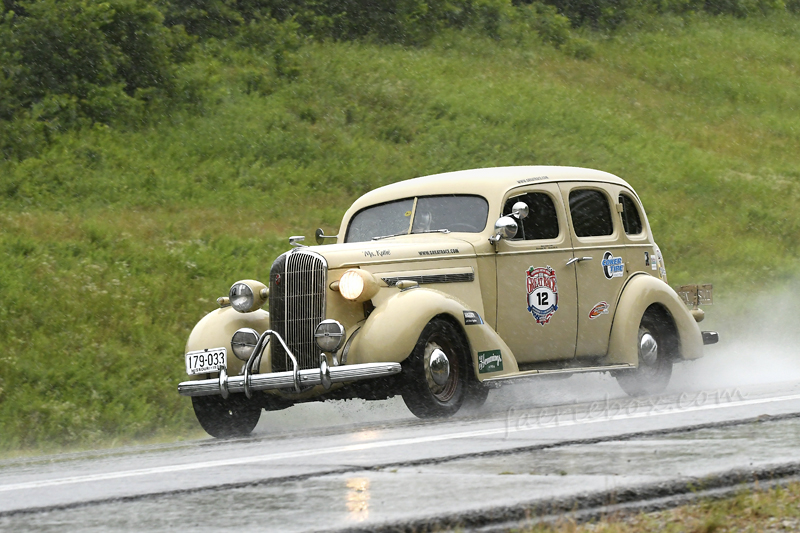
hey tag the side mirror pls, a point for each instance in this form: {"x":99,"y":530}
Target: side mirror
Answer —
{"x":520,"y":210}
{"x":320,"y":236}
{"x":504,"y":228}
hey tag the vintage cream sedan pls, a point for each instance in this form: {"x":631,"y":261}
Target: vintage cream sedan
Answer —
{"x":442,"y":287}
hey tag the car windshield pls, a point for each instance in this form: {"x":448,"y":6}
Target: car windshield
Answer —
{"x":442,"y":214}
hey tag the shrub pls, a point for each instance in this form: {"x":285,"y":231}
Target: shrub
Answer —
{"x":743,"y":8}
{"x":553,"y":28}
{"x":545,"y":20}
{"x":400,"y":21}
{"x":580,"y":48}
{"x":486,"y":15}
{"x":609,"y":14}
{"x":203,"y":18}
{"x":280,"y":38}
{"x":66,"y":64}
{"x":595,"y":13}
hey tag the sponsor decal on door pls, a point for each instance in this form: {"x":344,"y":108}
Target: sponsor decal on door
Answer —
{"x":613,"y":267}
{"x":542,"y":288}
{"x":600,"y":308}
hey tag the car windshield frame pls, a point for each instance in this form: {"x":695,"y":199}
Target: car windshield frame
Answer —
{"x":418,"y":214}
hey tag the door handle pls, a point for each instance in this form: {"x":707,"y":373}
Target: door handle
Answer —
{"x":578,"y":260}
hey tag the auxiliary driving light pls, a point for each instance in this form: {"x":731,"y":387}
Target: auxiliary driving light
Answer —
{"x":244,"y":342}
{"x":329,"y":335}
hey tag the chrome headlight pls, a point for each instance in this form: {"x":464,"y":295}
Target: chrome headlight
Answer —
{"x":358,"y":285}
{"x":244,"y":342}
{"x":329,"y":335}
{"x":248,"y":295}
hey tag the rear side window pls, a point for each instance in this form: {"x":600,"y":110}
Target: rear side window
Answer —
{"x":542,"y":220}
{"x":630,"y":215}
{"x":591,"y":214}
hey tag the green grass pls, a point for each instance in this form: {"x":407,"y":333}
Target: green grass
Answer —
{"x":115,"y":241}
{"x":775,"y":509}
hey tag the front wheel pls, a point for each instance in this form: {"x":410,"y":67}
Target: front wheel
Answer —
{"x":435,"y":374}
{"x":235,"y":416}
{"x":655,"y":363}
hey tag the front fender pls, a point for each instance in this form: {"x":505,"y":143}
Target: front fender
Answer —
{"x":216,"y":329}
{"x":393,"y":328}
{"x":641,"y":292}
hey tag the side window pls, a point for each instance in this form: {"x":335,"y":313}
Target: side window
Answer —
{"x":542,"y":220}
{"x":591,"y":214}
{"x":630,"y":215}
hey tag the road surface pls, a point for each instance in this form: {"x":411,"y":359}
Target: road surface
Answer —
{"x":365,"y":466}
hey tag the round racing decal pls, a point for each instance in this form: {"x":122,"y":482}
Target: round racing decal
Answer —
{"x":542,"y":293}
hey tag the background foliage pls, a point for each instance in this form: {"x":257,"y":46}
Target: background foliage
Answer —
{"x":155,"y":152}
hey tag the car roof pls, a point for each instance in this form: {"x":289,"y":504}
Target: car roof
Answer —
{"x":488,"y":182}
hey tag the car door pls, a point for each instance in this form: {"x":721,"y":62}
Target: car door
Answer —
{"x":536,"y":289}
{"x":600,"y":261}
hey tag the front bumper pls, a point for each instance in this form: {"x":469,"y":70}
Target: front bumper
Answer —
{"x":296,"y":379}
{"x":286,"y":380}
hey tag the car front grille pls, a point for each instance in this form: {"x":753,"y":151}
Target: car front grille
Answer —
{"x":296,"y":306}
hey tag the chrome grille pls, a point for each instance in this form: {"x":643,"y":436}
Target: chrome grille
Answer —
{"x":297,"y":306}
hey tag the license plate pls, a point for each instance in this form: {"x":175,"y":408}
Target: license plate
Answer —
{"x":205,"y":361}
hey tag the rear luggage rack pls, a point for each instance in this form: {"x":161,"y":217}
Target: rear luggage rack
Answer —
{"x":696,"y":295}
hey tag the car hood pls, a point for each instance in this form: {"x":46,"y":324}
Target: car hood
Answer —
{"x":393,"y":250}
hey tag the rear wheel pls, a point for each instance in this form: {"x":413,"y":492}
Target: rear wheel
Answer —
{"x":655,"y":361}
{"x":235,"y":416}
{"x":435,"y":374}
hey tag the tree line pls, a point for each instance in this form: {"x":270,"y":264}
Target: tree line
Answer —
{"x":78,"y":63}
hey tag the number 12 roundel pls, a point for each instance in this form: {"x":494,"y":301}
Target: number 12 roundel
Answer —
{"x":542,"y":293}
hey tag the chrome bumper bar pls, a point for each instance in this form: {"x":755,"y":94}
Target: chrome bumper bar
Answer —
{"x":295,"y":379}
{"x":285,"y":380}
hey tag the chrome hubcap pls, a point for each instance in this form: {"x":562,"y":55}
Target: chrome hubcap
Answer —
{"x":439,"y":367}
{"x":648,"y":349}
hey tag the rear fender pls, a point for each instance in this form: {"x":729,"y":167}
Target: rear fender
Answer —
{"x":641,"y":292}
{"x":216,"y":329}
{"x":393,"y":328}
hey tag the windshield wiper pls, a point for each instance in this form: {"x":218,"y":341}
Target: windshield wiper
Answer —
{"x":444,"y":230}
{"x":387,"y":236}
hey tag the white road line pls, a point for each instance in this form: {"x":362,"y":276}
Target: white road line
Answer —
{"x":517,"y":428}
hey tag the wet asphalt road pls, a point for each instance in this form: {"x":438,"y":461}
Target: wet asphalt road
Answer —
{"x":345,"y":465}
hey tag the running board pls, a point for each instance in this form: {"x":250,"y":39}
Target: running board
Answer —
{"x":526,"y":375}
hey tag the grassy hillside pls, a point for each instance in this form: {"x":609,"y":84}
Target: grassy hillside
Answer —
{"x":116,"y":240}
